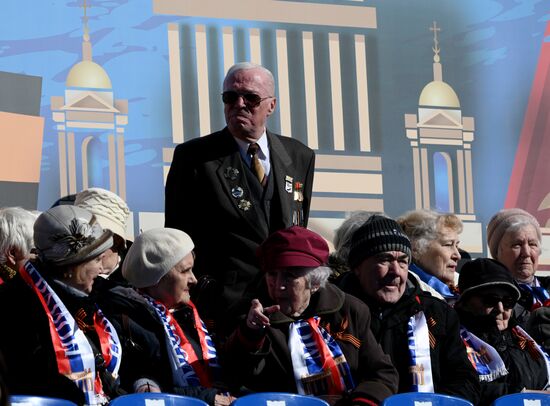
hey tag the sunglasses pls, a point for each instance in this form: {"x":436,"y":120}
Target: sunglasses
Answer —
{"x":250,"y":99}
{"x":492,"y":301}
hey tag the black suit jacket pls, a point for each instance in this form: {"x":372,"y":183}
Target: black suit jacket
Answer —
{"x":207,"y":196}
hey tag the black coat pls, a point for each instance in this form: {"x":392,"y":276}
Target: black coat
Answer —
{"x":144,"y":341}
{"x":526,"y":369}
{"x":452,"y":372}
{"x":269,"y":367}
{"x":536,"y":322}
{"x":27,"y":347}
{"x":203,"y":190}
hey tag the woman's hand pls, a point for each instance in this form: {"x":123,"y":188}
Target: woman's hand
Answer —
{"x":258,"y":316}
{"x":223,"y":400}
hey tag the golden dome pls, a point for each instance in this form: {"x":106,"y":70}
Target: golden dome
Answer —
{"x":88,"y":74}
{"x":438,"y":93}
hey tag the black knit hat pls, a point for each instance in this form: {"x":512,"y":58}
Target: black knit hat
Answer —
{"x":378,"y":234}
{"x":485,"y":272}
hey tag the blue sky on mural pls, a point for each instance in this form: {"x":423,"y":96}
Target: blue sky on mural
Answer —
{"x":489,"y":52}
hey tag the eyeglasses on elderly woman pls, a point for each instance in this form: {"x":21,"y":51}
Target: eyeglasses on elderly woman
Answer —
{"x":492,"y":300}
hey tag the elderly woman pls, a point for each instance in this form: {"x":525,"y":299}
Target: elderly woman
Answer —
{"x":507,"y":359}
{"x":112,"y":213}
{"x":514,"y":239}
{"x":305,"y":336}
{"x":434,"y":239}
{"x":59,"y":342}
{"x":163,"y":337}
{"x":15,"y":240}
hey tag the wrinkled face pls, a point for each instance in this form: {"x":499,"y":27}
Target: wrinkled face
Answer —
{"x":441,"y":257}
{"x":519,"y":250}
{"x":245,"y":120}
{"x":494,"y":301}
{"x":173,"y":288}
{"x":82,"y":276}
{"x":111,"y":260}
{"x":383,"y":277}
{"x":289,"y":289}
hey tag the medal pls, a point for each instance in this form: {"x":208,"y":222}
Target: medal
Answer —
{"x":231,"y":173}
{"x":237,"y":192}
{"x":244,"y":205}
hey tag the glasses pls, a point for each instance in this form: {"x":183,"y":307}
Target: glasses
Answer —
{"x":492,"y":301}
{"x":250,"y":99}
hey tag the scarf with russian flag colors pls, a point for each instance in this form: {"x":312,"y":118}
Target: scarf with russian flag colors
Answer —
{"x":484,"y":357}
{"x":74,"y":354}
{"x":187,"y":368}
{"x":420,"y":367}
{"x":320,"y":367}
{"x":541,"y":297}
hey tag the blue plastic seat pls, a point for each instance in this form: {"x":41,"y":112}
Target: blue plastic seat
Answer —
{"x":290,"y":399}
{"x":523,"y":399}
{"x":424,"y":399}
{"x":29,"y":400}
{"x":138,"y":399}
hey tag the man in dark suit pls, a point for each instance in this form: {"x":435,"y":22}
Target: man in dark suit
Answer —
{"x":229,"y":198}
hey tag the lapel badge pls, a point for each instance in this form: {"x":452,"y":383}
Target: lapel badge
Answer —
{"x":237,"y":192}
{"x":231,"y":173}
{"x":298,"y":191}
{"x":244,"y":205}
{"x":288,"y":184}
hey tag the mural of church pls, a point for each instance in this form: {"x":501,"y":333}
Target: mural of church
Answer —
{"x":441,"y":141}
{"x":90,"y":124}
{"x":353,"y":83}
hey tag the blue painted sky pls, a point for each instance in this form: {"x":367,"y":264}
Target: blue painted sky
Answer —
{"x":489,"y":51}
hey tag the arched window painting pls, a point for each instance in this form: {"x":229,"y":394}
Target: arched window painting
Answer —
{"x":442,"y":182}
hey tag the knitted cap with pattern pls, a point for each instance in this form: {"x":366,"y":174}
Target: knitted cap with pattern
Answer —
{"x":109,"y":209}
{"x":377,"y":235}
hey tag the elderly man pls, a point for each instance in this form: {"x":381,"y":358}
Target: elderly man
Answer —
{"x":419,"y":332}
{"x":229,"y":190}
{"x":163,"y":336}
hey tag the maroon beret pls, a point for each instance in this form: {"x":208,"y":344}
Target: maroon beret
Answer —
{"x":293,"y":247}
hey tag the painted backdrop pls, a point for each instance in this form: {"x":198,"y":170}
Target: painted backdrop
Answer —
{"x":432,"y":103}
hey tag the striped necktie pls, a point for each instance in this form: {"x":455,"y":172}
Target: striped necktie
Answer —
{"x":257,"y":166}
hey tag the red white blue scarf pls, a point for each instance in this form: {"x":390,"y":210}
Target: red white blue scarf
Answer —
{"x":320,"y":367}
{"x":485,"y":359}
{"x":418,"y":337}
{"x":74,"y":355}
{"x":187,"y":369}
{"x":541,"y":297}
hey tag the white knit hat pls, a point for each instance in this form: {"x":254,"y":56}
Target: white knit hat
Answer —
{"x":109,"y":209}
{"x":153,"y":254}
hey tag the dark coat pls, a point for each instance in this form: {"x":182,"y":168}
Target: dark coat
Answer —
{"x":144,"y":342}
{"x":27,"y":347}
{"x":268,"y":367}
{"x":452,"y":372}
{"x":203,"y":198}
{"x":536,"y":322}
{"x":525,"y":370}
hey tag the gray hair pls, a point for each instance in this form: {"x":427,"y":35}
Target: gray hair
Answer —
{"x":248,"y":66}
{"x":508,"y":221}
{"x":343,"y":234}
{"x":317,"y":277}
{"x":16,"y":231}
{"x":424,"y":226}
